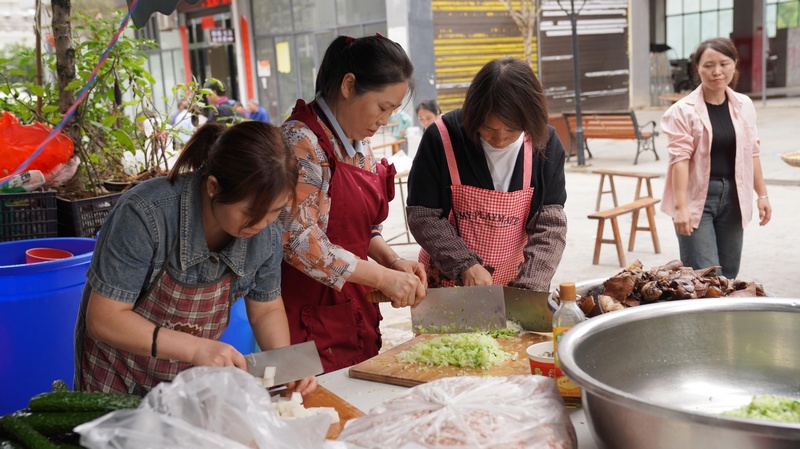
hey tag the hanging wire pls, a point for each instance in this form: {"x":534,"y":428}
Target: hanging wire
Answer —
{"x":81,"y":96}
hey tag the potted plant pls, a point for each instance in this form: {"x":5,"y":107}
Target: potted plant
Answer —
{"x":108,"y":127}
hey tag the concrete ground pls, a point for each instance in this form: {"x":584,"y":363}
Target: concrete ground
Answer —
{"x":771,"y":254}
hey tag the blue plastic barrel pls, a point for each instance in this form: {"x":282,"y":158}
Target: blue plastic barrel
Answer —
{"x":238,"y":333}
{"x":38,"y":307}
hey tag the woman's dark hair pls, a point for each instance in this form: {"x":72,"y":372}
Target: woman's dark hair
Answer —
{"x":721,"y":45}
{"x":508,"y":88}
{"x":375,"y":61}
{"x":248,"y":159}
{"x":430,"y":105}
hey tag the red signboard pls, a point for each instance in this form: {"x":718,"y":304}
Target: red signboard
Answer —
{"x":183,"y":6}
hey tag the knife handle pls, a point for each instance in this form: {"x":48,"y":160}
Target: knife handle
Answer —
{"x":377,"y":296}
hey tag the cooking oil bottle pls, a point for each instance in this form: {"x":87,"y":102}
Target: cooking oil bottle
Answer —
{"x":567,"y":316}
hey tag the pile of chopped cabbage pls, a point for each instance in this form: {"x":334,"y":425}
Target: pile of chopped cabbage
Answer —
{"x":473,"y":350}
{"x":767,"y":406}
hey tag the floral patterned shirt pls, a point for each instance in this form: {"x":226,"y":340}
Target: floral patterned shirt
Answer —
{"x":306,"y":245}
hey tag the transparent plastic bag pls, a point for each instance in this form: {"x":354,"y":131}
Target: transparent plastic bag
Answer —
{"x":205,"y":407}
{"x":469,"y":412}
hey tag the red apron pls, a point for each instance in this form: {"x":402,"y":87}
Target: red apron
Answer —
{"x":201,"y":310}
{"x":344,"y":325}
{"x":491,"y":223}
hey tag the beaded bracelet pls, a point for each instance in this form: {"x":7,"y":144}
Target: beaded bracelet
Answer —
{"x":391,"y":265}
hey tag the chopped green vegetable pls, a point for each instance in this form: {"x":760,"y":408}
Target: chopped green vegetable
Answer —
{"x":512,"y":330}
{"x":473,"y":350}
{"x":771,"y":407}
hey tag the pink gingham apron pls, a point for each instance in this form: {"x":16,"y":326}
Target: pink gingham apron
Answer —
{"x":491,"y":223}
{"x":202,"y":310}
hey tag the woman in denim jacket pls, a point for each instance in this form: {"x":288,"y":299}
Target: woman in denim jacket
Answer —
{"x":174,"y":255}
{"x":714,"y":163}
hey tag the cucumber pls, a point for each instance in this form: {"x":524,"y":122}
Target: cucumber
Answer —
{"x":59,"y":385}
{"x":25,"y":434}
{"x":56,"y":423}
{"x":81,"y":401}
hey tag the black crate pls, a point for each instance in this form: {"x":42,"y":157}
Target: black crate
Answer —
{"x":83,"y":218}
{"x":29,"y":215}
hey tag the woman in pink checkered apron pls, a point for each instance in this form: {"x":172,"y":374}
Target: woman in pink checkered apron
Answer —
{"x":487,"y":190}
{"x":174,"y":255}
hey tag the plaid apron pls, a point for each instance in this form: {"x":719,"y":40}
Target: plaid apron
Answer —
{"x":201,"y":310}
{"x":491,"y":223}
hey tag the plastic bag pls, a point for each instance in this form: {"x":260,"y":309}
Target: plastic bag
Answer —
{"x":469,"y":412}
{"x":205,"y":407}
{"x":18,"y":142}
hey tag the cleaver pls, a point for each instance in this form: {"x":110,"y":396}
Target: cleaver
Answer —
{"x":528,"y":308}
{"x":460,"y":309}
{"x":291,"y":363}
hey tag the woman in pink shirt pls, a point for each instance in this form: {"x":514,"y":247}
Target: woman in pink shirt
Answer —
{"x":714,"y":164}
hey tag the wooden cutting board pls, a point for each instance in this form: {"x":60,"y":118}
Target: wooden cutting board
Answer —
{"x":322,"y":397}
{"x":385,"y":368}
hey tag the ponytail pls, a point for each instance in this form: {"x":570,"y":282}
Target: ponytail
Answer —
{"x":196,"y":152}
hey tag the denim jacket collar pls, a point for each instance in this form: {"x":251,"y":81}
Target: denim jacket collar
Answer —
{"x":193,"y":244}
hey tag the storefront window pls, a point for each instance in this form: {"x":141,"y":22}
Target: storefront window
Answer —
{"x":272,"y":16}
{"x":689,"y":22}
{"x":350,"y":12}
{"x":307,"y":65}
{"x":310,"y":15}
{"x":297,"y":33}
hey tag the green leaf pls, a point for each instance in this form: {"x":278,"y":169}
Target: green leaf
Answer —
{"x":37,"y":90}
{"x":110,"y":121}
{"x":123,"y":138}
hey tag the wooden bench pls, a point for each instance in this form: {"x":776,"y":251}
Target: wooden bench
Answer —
{"x":394,"y":144}
{"x":612,"y":214}
{"x":612,"y":125}
{"x":642,"y":179}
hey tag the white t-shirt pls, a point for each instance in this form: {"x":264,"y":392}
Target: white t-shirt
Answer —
{"x":501,"y":162}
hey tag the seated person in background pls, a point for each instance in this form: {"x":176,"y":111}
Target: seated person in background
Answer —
{"x":257,"y":113}
{"x":399,"y":122}
{"x":427,"y":112}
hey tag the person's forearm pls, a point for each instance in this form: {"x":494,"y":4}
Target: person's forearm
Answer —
{"x":759,"y":184}
{"x":367,"y":273}
{"x":439,"y":239}
{"x":269,"y":323}
{"x":680,"y":183}
{"x":545,"y":247}
{"x":116,"y":324}
{"x":381,"y":252}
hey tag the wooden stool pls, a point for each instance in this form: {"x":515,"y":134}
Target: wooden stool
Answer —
{"x":640,"y":177}
{"x":642,"y":203}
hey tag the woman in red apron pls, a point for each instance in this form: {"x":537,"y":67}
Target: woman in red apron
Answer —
{"x":343,"y":196}
{"x":487,"y":190}
{"x":176,"y":252}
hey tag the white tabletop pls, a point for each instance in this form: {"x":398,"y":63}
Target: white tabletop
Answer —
{"x":365,"y":395}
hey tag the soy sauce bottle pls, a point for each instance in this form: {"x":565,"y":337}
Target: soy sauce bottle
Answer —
{"x":567,"y":316}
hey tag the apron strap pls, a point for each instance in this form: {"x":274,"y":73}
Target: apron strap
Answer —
{"x":527,"y":169}
{"x":455,"y":179}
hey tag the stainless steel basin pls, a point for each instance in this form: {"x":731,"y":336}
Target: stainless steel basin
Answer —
{"x":657,"y":376}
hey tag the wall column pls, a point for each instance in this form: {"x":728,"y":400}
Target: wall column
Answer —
{"x":747,"y":20}
{"x":639,"y":60}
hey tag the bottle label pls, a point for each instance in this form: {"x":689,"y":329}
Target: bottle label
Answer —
{"x":558,"y":334}
{"x":566,"y":387}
